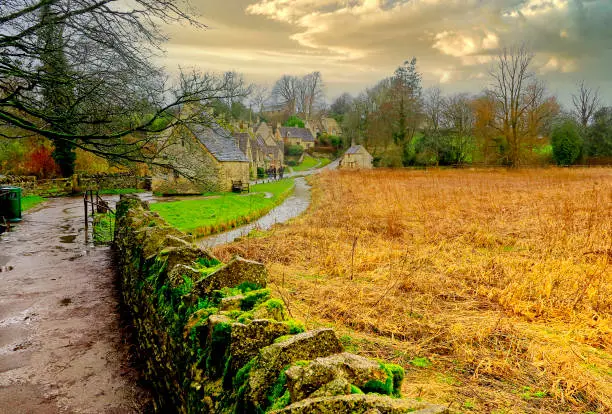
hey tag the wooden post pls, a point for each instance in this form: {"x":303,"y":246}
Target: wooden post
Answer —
{"x":86,"y":224}
{"x":92,"y":203}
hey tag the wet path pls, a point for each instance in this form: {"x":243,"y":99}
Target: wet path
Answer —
{"x":61,"y":345}
{"x":292,"y":207}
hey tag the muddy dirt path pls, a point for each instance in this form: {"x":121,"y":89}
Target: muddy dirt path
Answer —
{"x":62,"y":348}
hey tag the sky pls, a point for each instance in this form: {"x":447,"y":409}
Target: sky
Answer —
{"x":355,"y":43}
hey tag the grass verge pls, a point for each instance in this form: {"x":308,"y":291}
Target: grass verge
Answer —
{"x":203,"y":216}
{"x":30,"y":201}
{"x":310,"y":162}
{"x":103,"y":228}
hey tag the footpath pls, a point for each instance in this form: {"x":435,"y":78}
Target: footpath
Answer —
{"x":62,"y":347}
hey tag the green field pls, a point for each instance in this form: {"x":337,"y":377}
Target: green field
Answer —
{"x":30,"y":201}
{"x":221,"y":212}
{"x":310,"y":162}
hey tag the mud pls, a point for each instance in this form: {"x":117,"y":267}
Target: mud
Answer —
{"x":62,"y":343}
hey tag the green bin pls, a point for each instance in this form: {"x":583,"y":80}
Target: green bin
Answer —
{"x":10,"y":203}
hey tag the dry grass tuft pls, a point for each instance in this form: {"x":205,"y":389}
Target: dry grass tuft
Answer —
{"x":493,"y":288}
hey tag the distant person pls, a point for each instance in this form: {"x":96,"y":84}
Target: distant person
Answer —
{"x":281,"y":171}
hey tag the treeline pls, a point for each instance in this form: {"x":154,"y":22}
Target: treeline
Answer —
{"x":514,"y":122}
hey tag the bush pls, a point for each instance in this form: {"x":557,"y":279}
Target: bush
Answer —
{"x":292,"y":163}
{"x":294,"y":121}
{"x":566,"y":143}
{"x":261,"y":172}
{"x":294,"y":150}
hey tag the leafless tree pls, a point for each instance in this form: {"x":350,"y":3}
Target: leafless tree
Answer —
{"x":586,"y":103}
{"x":434,"y":104}
{"x":511,"y":79}
{"x":97,"y":53}
{"x":313,"y":86}
{"x":285,"y":92}
{"x":258,"y":97}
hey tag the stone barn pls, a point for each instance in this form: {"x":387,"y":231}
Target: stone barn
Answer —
{"x":356,"y":157}
{"x":207,"y":158}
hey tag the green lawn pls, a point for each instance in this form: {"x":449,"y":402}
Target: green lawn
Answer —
{"x":221,"y":212}
{"x":27,"y":202}
{"x":310,"y":162}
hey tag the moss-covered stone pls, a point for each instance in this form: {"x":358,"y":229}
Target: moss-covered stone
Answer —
{"x":248,"y":339}
{"x":236,"y":272}
{"x":272,"y":359}
{"x":361,"y":404}
{"x":304,"y":380}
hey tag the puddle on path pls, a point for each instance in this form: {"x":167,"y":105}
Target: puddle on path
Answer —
{"x":68,"y":239}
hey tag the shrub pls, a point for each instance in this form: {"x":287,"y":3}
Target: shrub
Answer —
{"x":294,"y":121}
{"x":294,"y":150}
{"x":566,"y":143}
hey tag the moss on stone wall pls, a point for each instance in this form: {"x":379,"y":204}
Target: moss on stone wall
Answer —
{"x":212,"y":338}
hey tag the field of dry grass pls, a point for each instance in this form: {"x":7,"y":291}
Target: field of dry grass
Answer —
{"x":493,"y":288}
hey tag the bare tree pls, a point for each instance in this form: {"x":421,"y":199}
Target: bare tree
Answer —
{"x":258,"y":97}
{"x":97,"y":54}
{"x":285,"y":92}
{"x":313,"y":84}
{"x":433,"y":107}
{"x":511,"y":79}
{"x":586,"y":103}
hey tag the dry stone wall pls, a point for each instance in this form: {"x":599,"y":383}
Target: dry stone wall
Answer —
{"x":214,"y":340}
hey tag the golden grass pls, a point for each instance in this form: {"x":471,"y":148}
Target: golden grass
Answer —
{"x":501,"y":279}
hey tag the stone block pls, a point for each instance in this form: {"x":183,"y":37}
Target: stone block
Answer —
{"x":248,"y":339}
{"x":236,"y":272}
{"x":304,"y":380}
{"x":272,"y":359}
{"x":361,"y":404}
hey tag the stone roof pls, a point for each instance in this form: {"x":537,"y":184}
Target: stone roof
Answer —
{"x":355,"y":149}
{"x":242,"y":139}
{"x":295,"y":132}
{"x":219,"y":143}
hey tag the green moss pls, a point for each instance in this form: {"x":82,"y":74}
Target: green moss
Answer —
{"x":243,"y":374}
{"x":421,"y":362}
{"x":398,"y":376}
{"x":295,"y":327}
{"x":355,"y":389}
{"x":207,"y":262}
{"x":253,"y":298}
{"x":278,"y":395}
{"x":281,"y":402}
{"x":282,"y":338}
{"x":348,"y":343}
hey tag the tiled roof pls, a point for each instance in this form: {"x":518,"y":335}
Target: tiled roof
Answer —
{"x":219,"y":142}
{"x":295,"y":132}
{"x":354,"y":149}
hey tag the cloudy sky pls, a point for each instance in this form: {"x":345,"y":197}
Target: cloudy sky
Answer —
{"x":355,"y":43}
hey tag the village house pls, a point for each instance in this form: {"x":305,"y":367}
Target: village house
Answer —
{"x":260,"y":146}
{"x":296,"y":136}
{"x":319,"y":126}
{"x":207,"y":159}
{"x":356,"y":157}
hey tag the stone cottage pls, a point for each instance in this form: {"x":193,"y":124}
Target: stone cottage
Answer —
{"x":356,"y":157}
{"x":296,"y":136}
{"x":207,"y":159}
{"x":260,"y":145}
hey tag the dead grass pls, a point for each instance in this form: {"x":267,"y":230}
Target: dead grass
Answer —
{"x":501,"y":279}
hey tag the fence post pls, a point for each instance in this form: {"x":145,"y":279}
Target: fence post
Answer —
{"x":92,"y":203}
{"x":86,"y":224}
